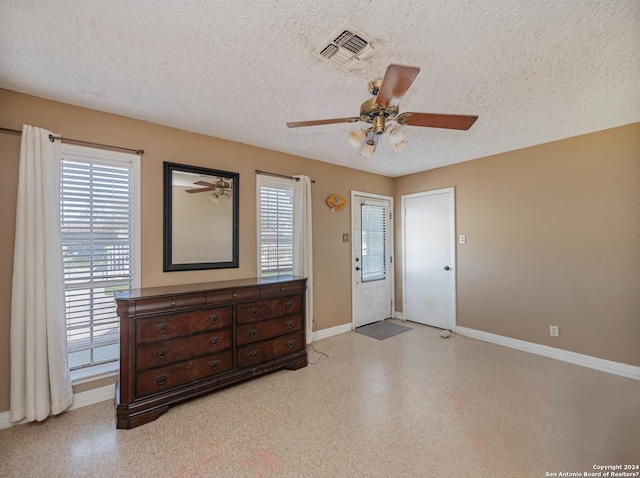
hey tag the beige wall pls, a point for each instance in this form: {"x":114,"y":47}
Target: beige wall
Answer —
{"x":553,"y":237}
{"x":332,"y":257}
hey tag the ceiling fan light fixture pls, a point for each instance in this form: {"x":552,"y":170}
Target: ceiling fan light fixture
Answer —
{"x":399,"y":146}
{"x":396,"y":134}
{"x":356,"y":138}
{"x":367,"y":150}
{"x":368,"y":146}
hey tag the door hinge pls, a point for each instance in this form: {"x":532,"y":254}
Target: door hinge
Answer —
{"x":391,"y":259}
{"x":390,"y":215}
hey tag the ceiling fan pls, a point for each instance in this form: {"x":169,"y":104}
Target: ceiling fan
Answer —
{"x":383,"y":108}
{"x":220,"y":188}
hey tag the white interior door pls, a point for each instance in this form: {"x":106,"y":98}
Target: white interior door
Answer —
{"x":372,"y":246}
{"x":428,"y":259}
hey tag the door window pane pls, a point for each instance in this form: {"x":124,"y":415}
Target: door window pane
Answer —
{"x":373,"y":242}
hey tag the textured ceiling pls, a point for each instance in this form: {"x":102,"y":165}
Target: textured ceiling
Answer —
{"x":533,"y":71}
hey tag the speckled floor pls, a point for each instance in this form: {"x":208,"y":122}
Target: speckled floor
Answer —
{"x":413,"y":405}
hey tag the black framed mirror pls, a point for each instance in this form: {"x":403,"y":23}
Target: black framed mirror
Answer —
{"x":200,"y":218}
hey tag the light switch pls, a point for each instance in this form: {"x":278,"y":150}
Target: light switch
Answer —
{"x":463,"y":239}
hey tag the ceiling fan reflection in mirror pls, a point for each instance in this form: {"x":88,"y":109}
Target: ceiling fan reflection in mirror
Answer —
{"x":382,"y":109}
{"x":219,"y":189}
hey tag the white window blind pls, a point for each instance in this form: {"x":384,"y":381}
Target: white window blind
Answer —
{"x":275,"y":224}
{"x":98,"y":240}
{"x":374,"y":263}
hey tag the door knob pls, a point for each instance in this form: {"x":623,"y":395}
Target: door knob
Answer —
{"x":357,"y":268}
{"x":446,"y":268}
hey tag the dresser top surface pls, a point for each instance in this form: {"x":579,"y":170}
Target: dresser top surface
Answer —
{"x":170,"y":290}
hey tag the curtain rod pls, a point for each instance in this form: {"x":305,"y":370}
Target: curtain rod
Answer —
{"x":266,"y":173}
{"x":78,"y":141}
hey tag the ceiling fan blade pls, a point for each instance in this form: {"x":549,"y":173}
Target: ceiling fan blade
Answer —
{"x":397,"y":80}
{"x":298,"y":124}
{"x":198,"y":190}
{"x":430,"y":120}
{"x":204,"y":183}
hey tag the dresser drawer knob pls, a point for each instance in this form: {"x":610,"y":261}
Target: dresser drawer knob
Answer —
{"x":253,"y":312}
{"x":253,"y":333}
{"x":255,"y":354}
{"x":214,"y":341}
{"x":235,"y":295}
{"x":290,"y":344}
{"x":214,"y":318}
{"x":161,"y":328}
{"x":283,"y":288}
{"x":161,"y":379}
{"x":288,"y":324}
{"x":215,"y":364}
{"x":173,"y":303}
{"x":162,"y":353}
{"x":288,"y":305}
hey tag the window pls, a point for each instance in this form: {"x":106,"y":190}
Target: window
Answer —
{"x":275,"y":226}
{"x":98,"y":220}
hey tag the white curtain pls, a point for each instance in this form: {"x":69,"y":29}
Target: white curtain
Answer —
{"x":40,"y":382}
{"x":302,"y":242}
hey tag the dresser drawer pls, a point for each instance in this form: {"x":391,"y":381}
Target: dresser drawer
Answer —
{"x":184,"y":323}
{"x":232,"y":295}
{"x":250,"y":333}
{"x":255,"y":354}
{"x":169,"y":351}
{"x":165,"y":304}
{"x":181,"y":373}
{"x":281,"y":289}
{"x":266,"y":309}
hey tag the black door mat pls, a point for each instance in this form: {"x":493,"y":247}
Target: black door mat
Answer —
{"x":382,"y":330}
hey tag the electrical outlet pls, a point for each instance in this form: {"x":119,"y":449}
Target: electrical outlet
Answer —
{"x":554,"y":331}
{"x":463,"y":239}
{"x":345,"y":237}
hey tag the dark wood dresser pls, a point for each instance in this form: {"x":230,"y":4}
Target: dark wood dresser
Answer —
{"x":178,"y":342}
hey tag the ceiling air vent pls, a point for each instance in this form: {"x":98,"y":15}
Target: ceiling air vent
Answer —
{"x":347,"y":48}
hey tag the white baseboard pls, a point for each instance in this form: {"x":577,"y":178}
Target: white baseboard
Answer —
{"x":331,"y":331}
{"x":398,"y":315}
{"x":616,"y":368}
{"x":83,"y":399}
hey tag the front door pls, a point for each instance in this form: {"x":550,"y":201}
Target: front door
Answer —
{"x":372,"y":273}
{"x":428,"y":262}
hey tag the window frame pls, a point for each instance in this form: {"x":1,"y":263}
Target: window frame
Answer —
{"x":102,"y":156}
{"x":280,"y":183}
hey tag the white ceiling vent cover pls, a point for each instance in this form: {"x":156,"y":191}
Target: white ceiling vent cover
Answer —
{"x":347,"y":48}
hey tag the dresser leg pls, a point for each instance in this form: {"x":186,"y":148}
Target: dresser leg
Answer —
{"x":124,"y":421}
{"x":297,"y":364}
